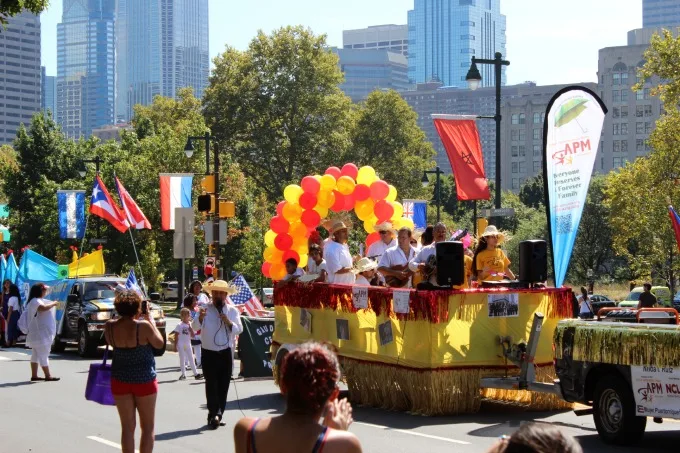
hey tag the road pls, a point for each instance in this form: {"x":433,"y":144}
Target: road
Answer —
{"x":54,"y":417}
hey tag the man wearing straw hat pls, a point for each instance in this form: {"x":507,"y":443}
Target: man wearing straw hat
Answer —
{"x":338,"y":258}
{"x":394,"y":262}
{"x":387,"y":240}
{"x":365,"y":271}
{"x":219,"y":324}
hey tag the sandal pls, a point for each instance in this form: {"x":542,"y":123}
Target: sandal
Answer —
{"x":33,"y":379}
{"x":52,"y":378}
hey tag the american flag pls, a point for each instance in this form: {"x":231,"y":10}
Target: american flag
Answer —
{"x":245,"y":299}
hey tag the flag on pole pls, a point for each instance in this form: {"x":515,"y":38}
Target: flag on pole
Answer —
{"x":134,"y":215}
{"x":102,"y":205}
{"x":131,"y":283}
{"x":675,"y":221}
{"x":461,"y":140}
{"x":416,"y":210}
{"x":175,"y":193}
{"x":245,"y":300}
{"x":71,"y":205}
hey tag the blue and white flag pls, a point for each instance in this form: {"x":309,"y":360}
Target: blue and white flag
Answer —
{"x":416,"y":210}
{"x":71,"y":205}
{"x":131,"y":283}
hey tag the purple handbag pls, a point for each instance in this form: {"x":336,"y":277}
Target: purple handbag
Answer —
{"x":99,"y":382}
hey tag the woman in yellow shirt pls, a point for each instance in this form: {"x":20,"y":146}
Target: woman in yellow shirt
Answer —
{"x":490,"y":262}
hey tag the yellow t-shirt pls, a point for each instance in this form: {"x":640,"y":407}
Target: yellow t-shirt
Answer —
{"x":468,"y":274}
{"x":495,"y":260}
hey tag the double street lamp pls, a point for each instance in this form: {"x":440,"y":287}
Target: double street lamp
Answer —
{"x":426,"y":182}
{"x":474,"y":78}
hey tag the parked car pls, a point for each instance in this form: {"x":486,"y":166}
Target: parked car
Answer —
{"x":598,"y":301}
{"x":169,"y":290}
{"x":85,"y":304}
{"x":662,"y":293}
{"x":266,"y":296}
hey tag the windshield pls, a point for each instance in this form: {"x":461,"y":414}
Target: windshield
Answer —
{"x":633,"y":296}
{"x":100,"y":290}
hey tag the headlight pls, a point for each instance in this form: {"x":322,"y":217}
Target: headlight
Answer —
{"x":156,"y":314}
{"x":100,"y":316}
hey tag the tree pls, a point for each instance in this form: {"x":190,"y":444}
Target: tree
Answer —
{"x":10,"y":8}
{"x":387,"y":137}
{"x":278,"y":109}
{"x":531,"y":193}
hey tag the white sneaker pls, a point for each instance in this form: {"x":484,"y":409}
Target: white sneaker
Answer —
{"x":182,"y":377}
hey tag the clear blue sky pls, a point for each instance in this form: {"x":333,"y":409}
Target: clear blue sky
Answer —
{"x":548,"y":41}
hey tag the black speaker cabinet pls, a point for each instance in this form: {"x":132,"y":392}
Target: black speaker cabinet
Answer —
{"x":533,"y":261}
{"x":450,"y":263}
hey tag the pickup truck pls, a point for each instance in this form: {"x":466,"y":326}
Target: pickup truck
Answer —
{"x":624,"y":365}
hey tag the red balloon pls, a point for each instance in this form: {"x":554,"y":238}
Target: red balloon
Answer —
{"x":291,"y":254}
{"x":339,"y":204}
{"x":383,"y":210}
{"x":279,"y":225}
{"x":362,"y":192}
{"x":349,"y":202}
{"x":283,"y":241}
{"x":279,"y":207}
{"x":266,"y":267}
{"x":334,"y":172}
{"x":350,"y":170}
{"x":310,"y":185}
{"x":379,"y":190}
{"x":371,"y":238}
{"x":310,"y":218}
{"x":307,"y":200}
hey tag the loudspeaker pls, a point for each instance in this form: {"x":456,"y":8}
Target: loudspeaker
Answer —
{"x":450,"y":263}
{"x":533,"y":261}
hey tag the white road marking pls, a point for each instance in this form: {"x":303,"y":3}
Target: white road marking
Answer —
{"x":5,"y":358}
{"x":414,"y":433}
{"x":107,"y":442}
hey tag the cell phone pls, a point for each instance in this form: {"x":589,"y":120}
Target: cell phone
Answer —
{"x":145,"y":308}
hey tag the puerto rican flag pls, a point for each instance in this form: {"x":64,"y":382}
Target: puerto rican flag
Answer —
{"x":102,"y":205}
{"x":134,"y":215}
{"x":245,"y":300}
{"x":175,"y":193}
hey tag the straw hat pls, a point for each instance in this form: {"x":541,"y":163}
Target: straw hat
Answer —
{"x":363,"y":265}
{"x":385,"y":226}
{"x":327,"y":224}
{"x":221,"y":286}
{"x":337,"y":225}
{"x":491,"y":230}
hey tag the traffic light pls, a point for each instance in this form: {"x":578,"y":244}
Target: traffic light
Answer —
{"x":206,"y":203}
{"x":227,"y":210}
{"x":208,"y":183}
{"x":211,"y":250}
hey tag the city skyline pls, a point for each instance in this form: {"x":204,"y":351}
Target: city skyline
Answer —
{"x":559,"y":45}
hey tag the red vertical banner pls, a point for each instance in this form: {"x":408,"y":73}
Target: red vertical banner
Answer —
{"x":675,"y":221}
{"x":464,"y":149}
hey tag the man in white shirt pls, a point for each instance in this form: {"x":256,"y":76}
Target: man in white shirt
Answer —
{"x":394,"y":262}
{"x":420,"y":262}
{"x":338,"y":258}
{"x":219,"y":324}
{"x":375,"y":251}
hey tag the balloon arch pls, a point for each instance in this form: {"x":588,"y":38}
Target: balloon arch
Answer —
{"x":372,"y":199}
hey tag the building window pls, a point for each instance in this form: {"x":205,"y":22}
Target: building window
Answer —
{"x":467,"y":2}
{"x":624,"y":146}
{"x":615,"y":112}
{"x":624,"y":128}
{"x":640,"y":95}
{"x":522,"y":135}
{"x":639,"y":127}
{"x":537,"y":150}
{"x":515,"y":183}
{"x":522,"y":150}
{"x":467,"y":23}
{"x":514,"y":150}
{"x":616,"y":79}
{"x":522,"y":167}
{"x":639,"y":145}
{"x":639,"y":111}
{"x":615,"y":129}
{"x":616,"y":96}
{"x":515,"y":167}
{"x":522,"y":118}
{"x":648,"y":127}
{"x":467,"y":37}
{"x":624,"y":78}
{"x":467,"y":51}
{"x":537,"y":133}
{"x":648,"y":110}
{"x":617,"y":146}
{"x":618,"y":162}
{"x":514,"y":135}
{"x":624,"y":95}
{"x":515,"y":118}
{"x":537,"y":166}
{"x":537,"y":117}
{"x":648,"y":93}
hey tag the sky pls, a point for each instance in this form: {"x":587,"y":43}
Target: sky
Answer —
{"x":548,"y":41}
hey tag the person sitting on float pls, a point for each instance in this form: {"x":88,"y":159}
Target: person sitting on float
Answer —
{"x":338,"y":258}
{"x":387,"y":240}
{"x":365,"y":270}
{"x":415,"y":239}
{"x":424,"y":261}
{"x":490,"y":263}
{"x":317,"y":265}
{"x":293,"y":272}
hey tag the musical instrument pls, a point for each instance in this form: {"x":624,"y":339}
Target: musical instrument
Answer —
{"x":429,"y":270}
{"x":397,"y":282}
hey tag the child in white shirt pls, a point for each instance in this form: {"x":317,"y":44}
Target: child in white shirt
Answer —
{"x":317,"y":265}
{"x":184,"y":333}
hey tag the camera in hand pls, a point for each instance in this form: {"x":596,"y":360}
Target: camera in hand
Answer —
{"x":145,"y":308}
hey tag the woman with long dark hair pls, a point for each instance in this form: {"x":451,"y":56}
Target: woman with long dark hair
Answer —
{"x":42,"y":328}
{"x":13,"y":313}
{"x":585,"y":310}
{"x":3,"y":312}
{"x":489,"y":262}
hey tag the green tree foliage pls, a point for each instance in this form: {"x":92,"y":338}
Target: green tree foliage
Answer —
{"x":9,"y":8}
{"x":531,"y":193}
{"x":278,"y":109}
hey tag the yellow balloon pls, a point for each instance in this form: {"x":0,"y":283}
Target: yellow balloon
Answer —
{"x":277,"y":271}
{"x":345,"y":185}
{"x":323,"y":212}
{"x":364,"y":209}
{"x":269,"y":237}
{"x":392,"y":195}
{"x":317,"y":177}
{"x":303,"y":260}
{"x":327,"y":182}
{"x":406,"y":222}
{"x":369,"y":226}
{"x":292,"y":212}
{"x":396,"y":223}
{"x":398,"y":210}
{"x":297,"y":230}
{"x":292,"y":193}
{"x":366,"y":175}
{"x":269,"y":253}
{"x":325,"y":198}
{"x":301,"y":249}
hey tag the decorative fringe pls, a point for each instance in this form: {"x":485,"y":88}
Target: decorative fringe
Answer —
{"x":620,"y":343}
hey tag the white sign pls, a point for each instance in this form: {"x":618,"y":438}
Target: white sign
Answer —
{"x":656,"y":391}
{"x":360,"y":297}
{"x":400,"y":299}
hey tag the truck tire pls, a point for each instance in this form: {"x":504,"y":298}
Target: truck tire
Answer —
{"x":614,"y":412}
{"x":58,"y":345}
{"x":87,"y":347}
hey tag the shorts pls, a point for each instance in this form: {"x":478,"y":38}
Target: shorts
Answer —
{"x":119,"y":388}
{"x":41,"y":354}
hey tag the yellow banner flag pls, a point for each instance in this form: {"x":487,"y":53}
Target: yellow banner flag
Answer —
{"x":92,"y":264}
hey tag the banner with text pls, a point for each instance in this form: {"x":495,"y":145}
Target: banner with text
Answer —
{"x":656,"y":391}
{"x":573,"y":123}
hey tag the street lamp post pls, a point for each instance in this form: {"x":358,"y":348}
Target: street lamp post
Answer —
{"x":82,"y":171}
{"x":189,"y":151}
{"x":474,"y":79}
{"x":426,"y":181}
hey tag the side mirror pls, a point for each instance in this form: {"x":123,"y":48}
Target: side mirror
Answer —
{"x":155,"y":297}
{"x":72,"y":299}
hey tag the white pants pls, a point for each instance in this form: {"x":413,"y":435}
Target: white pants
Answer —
{"x":41,"y":354}
{"x":197,"y":353}
{"x":186,"y":355}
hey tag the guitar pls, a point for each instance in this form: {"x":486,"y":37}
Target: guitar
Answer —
{"x":397,"y":282}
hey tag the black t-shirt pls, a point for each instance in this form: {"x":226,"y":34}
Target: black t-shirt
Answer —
{"x":647,"y":300}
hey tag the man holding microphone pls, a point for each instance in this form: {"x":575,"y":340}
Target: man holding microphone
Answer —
{"x":219,"y":323}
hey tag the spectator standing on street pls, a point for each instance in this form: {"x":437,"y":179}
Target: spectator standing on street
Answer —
{"x":219,"y":323}
{"x":585,"y":309}
{"x":3,"y":311}
{"x":309,"y":382}
{"x":537,"y":438}
{"x":647,"y":299}
{"x":133,"y":337}
{"x":191,"y":302}
{"x":184,"y":334}
{"x":13,"y":312}
{"x":42,"y":328}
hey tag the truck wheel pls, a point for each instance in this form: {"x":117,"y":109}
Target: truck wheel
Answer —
{"x":87,"y":347}
{"x":614,"y":412}
{"x":58,"y":345}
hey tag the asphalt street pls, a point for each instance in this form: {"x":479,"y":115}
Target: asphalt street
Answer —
{"x":54,"y":417}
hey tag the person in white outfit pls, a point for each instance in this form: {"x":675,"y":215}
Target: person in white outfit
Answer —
{"x":338,"y":258}
{"x":365,"y":270}
{"x":42,"y":328}
{"x":185,"y":333}
{"x":387,"y":240}
{"x":202,"y":301}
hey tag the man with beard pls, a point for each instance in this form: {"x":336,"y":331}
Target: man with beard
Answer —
{"x":219,"y":323}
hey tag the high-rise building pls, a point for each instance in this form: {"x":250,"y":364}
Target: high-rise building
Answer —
{"x":381,"y":37}
{"x":660,"y":13}
{"x":48,"y":92}
{"x":162,"y":46}
{"x":19,"y":73}
{"x":86,"y":66}
{"x":369,"y":70}
{"x":445,"y":34}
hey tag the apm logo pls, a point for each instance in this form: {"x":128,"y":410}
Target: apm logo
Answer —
{"x":576,"y":148}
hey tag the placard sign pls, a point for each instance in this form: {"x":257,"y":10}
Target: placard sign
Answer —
{"x":656,"y":391}
{"x":400,"y":299}
{"x":360,"y":297}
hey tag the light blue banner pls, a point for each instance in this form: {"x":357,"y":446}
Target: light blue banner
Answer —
{"x":35,"y":268}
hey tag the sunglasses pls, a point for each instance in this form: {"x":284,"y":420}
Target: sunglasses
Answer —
{"x":384,"y":232}
{"x":414,"y":242}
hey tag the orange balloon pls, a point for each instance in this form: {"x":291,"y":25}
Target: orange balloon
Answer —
{"x":298,"y":229}
{"x":292,"y":212}
{"x":277,"y":271}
